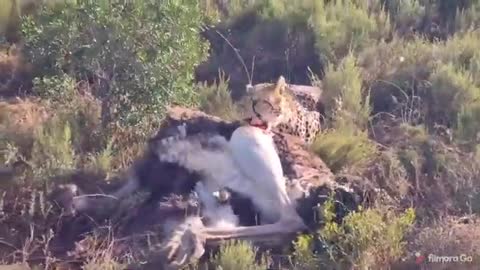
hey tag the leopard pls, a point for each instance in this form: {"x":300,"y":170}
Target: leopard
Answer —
{"x":300,"y":117}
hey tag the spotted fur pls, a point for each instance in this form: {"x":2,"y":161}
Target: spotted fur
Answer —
{"x":300,"y":117}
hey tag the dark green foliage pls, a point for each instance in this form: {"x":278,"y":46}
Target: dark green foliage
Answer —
{"x":137,"y":56}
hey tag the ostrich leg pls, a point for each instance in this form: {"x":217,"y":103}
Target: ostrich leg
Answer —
{"x":283,"y":226}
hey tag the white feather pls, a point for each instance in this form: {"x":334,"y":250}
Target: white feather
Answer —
{"x":255,"y":155}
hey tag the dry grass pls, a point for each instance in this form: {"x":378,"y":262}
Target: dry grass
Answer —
{"x":449,"y":236}
{"x":15,"y":72}
{"x":19,"y":120}
{"x":22,"y":115}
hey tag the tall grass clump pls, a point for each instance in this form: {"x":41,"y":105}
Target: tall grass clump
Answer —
{"x":52,"y":151}
{"x":216,"y":99}
{"x":451,"y":90}
{"x":405,"y":13}
{"x":467,"y":19}
{"x":346,"y":142}
{"x":342,"y":26}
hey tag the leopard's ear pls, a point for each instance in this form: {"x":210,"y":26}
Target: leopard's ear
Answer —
{"x":280,"y":86}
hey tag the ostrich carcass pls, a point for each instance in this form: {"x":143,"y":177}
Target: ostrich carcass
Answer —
{"x":309,"y":181}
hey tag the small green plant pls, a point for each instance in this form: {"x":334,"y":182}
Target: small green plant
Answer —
{"x":234,"y":255}
{"x":342,"y":148}
{"x":52,"y":150}
{"x":451,"y":89}
{"x":468,"y":123}
{"x":61,"y":88}
{"x":366,"y":238}
{"x":304,"y":256}
{"x":346,"y":143}
{"x":102,"y":160}
{"x":216,"y":99}
{"x":344,"y":95}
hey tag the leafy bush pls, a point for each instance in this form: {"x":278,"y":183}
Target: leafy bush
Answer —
{"x":101,"y":161}
{"x":342,"y":26}
{"x":367,"y":238}
{"x":346,"y":144}
{"x":430,"y":84}
{"x":344,"y":95}
{"x":450,"y":90}
{"x":344,"y":148}
{"x":138,"y":56}
{"x":405,"y":13}
{"x":468,"y":123}
{"x":52,"y":150}
{"x":441,"y":177}
{"x":61,"y":88}
{"x":235,"y":255}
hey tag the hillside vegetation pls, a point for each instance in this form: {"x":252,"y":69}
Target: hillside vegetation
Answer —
{"x":83,"y":84}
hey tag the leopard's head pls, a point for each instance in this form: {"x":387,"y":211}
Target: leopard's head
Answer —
{"x":269,"y":103}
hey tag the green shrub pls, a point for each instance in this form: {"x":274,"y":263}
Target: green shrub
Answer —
{"x":443,"y":175}
{"x":52,"y":151}
{"x":74,"y":103}
{"x":342,"y":26}
{"x":343,"y":148}
{"x":304,"y":256}
{"x":367,"y":238}
{"x":345,"y":99}
{"x":460,"y":50}
{"x":101,"y":161}
{"x":450,"y":90}
{"x":295,"y":13}
{"x":346,"y":143}
{"x":139,"y":56}
{"x":60,"y":89}
{"x":216,"y":99}
{"x":395,"y":72}
{"x":467,"y":19}
{"x":235,"y":255}
{"x":405,"y":13}
{"x":423,"y":83}
{"x":468,"y":123}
